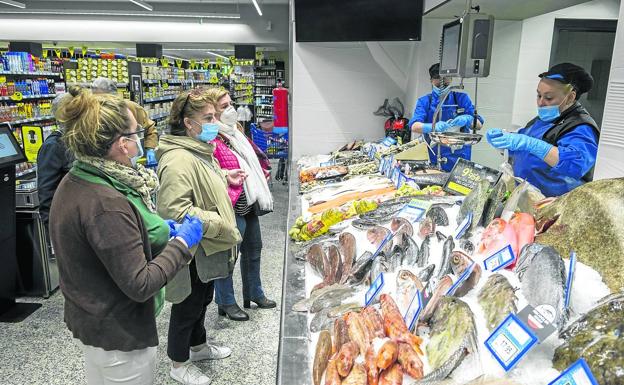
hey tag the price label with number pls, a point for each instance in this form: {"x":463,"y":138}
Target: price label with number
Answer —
{"x":374,"y":289}
{"x":502,"y":258}
{"x":578,"y":373}
{"x":510,"y":341}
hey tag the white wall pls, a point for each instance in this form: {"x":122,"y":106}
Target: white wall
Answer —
{"x":610,"y":162}
{"x":535,"y":47}
{"x":495,"y":93}
{"x":250,"y":29}
{"x":336,"y":87}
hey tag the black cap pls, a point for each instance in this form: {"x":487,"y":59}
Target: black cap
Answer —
{"x":568,"y":73}
{"x":434,"y":71}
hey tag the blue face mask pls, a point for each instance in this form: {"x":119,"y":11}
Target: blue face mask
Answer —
{"x":209,"y":132}
{"x":439,"y":90}
{"x":139,"y":155}
{"x":548,"y":113}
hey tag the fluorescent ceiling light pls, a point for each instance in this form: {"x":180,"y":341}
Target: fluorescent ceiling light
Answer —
{"x":255,"y":3}
{"x":216,"y":54}
{"x":13,"y":3}
{"x":142,"y":4}
{"x":115,"y":13}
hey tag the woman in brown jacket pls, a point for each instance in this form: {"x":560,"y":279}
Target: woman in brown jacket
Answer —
{"x":114,"y":252}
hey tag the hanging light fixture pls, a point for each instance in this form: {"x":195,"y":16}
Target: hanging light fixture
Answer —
{"x":255,"y":3}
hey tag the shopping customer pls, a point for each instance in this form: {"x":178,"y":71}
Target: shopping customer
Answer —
{"x":53,"y":161}
{"x":114,"y":252}
{"x":234,"y":150}
{"x":556,"y":151}
{"x":108,"y":86}
{"x":192,"y":183}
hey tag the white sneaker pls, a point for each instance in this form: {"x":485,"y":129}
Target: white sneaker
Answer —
{"x":189,"y":374}
{"x":210,"y":351}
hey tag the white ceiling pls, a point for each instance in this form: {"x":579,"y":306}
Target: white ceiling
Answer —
{"x":503,"y":9}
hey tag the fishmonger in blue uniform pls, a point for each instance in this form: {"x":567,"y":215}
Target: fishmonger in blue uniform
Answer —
{"x":556,"y":151}
{"x":457,"y":110}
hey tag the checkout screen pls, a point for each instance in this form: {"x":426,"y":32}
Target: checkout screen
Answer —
{"x":6,"y":146}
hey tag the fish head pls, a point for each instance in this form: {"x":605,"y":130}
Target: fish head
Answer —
{"x":460,"y":262}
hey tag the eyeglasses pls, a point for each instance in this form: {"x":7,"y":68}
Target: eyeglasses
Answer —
{"x":140,"y":132}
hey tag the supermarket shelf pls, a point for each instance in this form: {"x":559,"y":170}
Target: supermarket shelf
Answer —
{"x":25,"y":172}
{"x":265,"y":105}
{"x":159,"y":99}
{"x":265,"y":115}
{"x":159,"y":116}
{"x":176,"y":81}
{"x":31,"y":120}
{"x":44,"y":96}
{"x":264,"y":95}
{"x":88,"y":84}
{"x":36,"y":73}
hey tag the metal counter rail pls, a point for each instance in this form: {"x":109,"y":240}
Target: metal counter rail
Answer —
{"x":293,"y":361}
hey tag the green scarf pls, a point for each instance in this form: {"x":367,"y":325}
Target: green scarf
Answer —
{"x":142,"y":180}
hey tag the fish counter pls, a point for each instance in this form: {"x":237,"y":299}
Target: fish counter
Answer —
{"x":404,"y":283}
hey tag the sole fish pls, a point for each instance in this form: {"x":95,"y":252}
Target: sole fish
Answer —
{"x":321,"y":356}
{"x":542,"y":276}
{"x":305,"y":304}
{"x":331,"y":298}
{"x":338,"y":311}
{"x":321,"y":321}
{"x":347,"y":244}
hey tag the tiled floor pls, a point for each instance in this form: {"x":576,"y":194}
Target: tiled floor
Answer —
{"x":40,"y":350}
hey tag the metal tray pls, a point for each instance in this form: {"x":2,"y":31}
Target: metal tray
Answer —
{"x":455,"y":138}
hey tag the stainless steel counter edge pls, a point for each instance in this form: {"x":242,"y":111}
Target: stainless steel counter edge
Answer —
{"x":293,"y":366}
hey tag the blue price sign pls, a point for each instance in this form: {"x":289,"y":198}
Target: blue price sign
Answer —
{"x":395,"y":175}
{"x":577,"y":374}
{"x":374,"y":289}
{"x":401,"y":180}
{"x":461,"y":279}
{"x":510,"y":341}
{"x":388,"y":141}
{"x":411,"y":315}
{"x":461,"y":229}
{"x":500,"y":259}
{"x":371,"y":151}
{"x":412,"y":212}
{"x":571,"y":271}
{"x":382,"y":164}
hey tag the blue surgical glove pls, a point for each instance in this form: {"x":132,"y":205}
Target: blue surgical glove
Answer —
{"x":518,"y":142}
{"x":173,"y":227}
{"x":462,"y":120}
{"x":439,"y":127}
{"x":191,"y":230}
{"x":151,"y":157}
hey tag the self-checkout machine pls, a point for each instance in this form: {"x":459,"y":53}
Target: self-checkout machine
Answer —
{"x":11,"y":153}
{"x":465,"y":52}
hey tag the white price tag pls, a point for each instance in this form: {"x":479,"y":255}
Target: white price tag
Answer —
{"x":374,"y":289}
{"x":578,"y":373}
{"x":502,"y":258}
{"x":510,"y":341}
{"x":461,"y":229}
{"x":413,"y":212}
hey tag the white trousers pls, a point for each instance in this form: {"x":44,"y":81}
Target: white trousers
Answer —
{"x":137,"y":367}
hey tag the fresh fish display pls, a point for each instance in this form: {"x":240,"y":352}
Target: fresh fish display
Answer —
{"x":327,"y":291}
{"x":347,"y":251}
{"x":430,"y":179}
{"x":425,"y":274}
{"x":377,"y":235}
{"x":380,"y":265}
{"x":387,"y":209}
{"x":438,"y":215}
{"x":401,"y":226}
{"x":542,"y":276}
{"x":494,"y":202}
{"x":423,"y":252}
{"x":391,"y":376}
{"x":373,"y":321}
{"x":446,"y":368}
{"x":394,"y":325}
{"x":340,"y":310}
{"x":442,"y":287}
{"x":335,"y":265}
{"x":357,"y":376}
{"x":331,"y":373}
{"x":407,"y":283}
{"x":459,"y":263}
{"x":474,"y":203}
{"x":497,"y":299}
{"x":427,"y":227}
{"x":321,"y":357}
{"x":331,"y":298}
{"x":372,"y":371}
{"x":341,"y":333}
{"x":346,"y":357}
{"x":597,"y":337}
{"x":364,"y":224}
{"x":452,"y":330}
{"x":358,"y":332}
{"x":410,"y":252}
{"x":495,"y":237}
{"x":445,"y":265}
{"x":361,"y":268}
{"x":410,"y":362}
{"x":524,"y":199}
{"x":388,"y":354}
{"x":466,"y":246}
{"x":590,"y":221}
{"x":396,"y":258}
{"x":316,"y":258}
{"x":321,"y":321}
{"x":524,"y":227}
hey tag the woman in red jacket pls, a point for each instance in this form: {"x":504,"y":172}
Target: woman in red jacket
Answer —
{"x":235,"y":151}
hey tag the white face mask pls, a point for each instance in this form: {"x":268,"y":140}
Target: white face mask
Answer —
{"x":228,"y":116}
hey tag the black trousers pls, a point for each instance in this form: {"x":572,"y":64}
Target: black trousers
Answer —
{"x":186,"y":325}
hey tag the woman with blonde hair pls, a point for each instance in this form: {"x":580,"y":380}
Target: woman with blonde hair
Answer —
{"x":192,"y":183}
{"x":234,"y":150}
{"x":114,"y":252}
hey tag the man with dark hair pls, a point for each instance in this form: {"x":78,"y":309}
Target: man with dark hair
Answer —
{"x":457,"y":114}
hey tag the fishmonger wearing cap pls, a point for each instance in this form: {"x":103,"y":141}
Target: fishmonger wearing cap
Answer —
{"x":556,"y":151}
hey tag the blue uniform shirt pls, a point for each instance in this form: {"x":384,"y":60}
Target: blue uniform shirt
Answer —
{"x":577,"y":155}
{"x":457,"y":103}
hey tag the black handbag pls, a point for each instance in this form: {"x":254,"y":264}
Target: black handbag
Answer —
{"x":258,"y":211}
